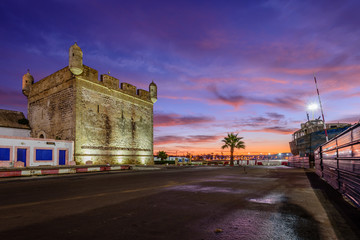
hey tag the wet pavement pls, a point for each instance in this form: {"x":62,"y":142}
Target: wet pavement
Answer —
{"x":180,"y":203}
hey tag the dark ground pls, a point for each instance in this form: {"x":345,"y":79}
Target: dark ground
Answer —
{"x":180,"y":203}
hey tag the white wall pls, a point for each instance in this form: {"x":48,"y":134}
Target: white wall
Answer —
{"x":31,"y":144}
{"x":17,"y":132}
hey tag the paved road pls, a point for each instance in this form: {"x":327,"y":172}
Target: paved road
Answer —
{"x":184,"y":203}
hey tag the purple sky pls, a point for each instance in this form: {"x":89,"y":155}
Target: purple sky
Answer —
{"x":220,"y":66}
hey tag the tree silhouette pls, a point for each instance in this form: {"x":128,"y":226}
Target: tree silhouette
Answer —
{"x":232,"y":141}
{"x":162,"y":155}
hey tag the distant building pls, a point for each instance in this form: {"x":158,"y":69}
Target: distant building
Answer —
{"x":175,"y":159}
{"x":13,"y":123}
{"x":107,"y":122}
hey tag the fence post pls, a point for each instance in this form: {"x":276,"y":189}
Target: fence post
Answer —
{"x":337,"y":164}
{"x":321,"y":162}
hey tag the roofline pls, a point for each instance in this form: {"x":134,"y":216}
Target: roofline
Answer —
{"x":26,"y":128}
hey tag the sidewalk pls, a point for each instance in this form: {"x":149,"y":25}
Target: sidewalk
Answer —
{"x":55,"y":170}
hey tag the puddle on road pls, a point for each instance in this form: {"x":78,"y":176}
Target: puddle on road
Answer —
{"x":203,"y":189}
{"x":268,"y":199}
{"x":269,"y":224}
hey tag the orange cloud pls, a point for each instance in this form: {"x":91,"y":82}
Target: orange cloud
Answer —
{"x":188,"y":139}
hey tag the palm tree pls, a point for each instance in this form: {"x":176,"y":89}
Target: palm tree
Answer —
{"x":232,"y":141}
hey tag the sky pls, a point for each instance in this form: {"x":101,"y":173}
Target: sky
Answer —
{"x":220,"y":66}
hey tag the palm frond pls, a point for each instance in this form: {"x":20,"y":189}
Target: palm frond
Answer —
{"x":233,"y":141}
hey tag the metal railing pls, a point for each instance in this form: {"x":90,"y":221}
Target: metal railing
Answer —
{"x":299,"y":162}
{"x":338,"y":163}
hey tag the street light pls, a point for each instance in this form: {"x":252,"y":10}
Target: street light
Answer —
{"x":312,"y":107}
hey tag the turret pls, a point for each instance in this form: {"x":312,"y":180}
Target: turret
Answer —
{"x":153,"y":92}
{"x":75,"y":59}
{"x":27,"y":81}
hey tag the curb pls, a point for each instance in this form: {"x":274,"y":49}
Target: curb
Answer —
{"x":56,"y":171}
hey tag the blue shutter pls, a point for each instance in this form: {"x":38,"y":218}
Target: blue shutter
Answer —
{"x":44,"y":155}
{"x":4,"y":154}
{"x":62,"y":157}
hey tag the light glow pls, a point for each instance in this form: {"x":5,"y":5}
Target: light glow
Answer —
{"x":312,"y":107}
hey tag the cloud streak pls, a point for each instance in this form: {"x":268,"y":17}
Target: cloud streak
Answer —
{"x":276,"y":130}
{"x":236,"y":99}
{"x":167,"y":120}
{"x":12,"y":98}
{"x":185,"y":139}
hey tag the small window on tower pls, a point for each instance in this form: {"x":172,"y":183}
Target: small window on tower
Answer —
{"x":73,"y":54}
{"x":98,"y":108}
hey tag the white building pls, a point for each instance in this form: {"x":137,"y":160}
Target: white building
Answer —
{"x":25,"y":152}
{"x":17,"y":149}
{"x":174,"y":158}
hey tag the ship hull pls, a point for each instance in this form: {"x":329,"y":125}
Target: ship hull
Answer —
{"x":306,"y":145}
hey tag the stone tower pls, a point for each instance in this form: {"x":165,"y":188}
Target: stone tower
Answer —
{"x":27,"y":81}
{"x":153,"y":92}
{"x":109,"y":121}
{"x":76,"y":59}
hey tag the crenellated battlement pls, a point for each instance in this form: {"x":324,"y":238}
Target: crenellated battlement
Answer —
{"x":89,"y":74}
{"x":110,"y":81}
{"x":145,"y":95}
{"x":50,"y":81}
{"x":113,"y":83}
{"x":128,"y":88}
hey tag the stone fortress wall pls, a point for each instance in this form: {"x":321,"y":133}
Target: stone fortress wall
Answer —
{"x":51,"y":106}
{"x":108,"y":122}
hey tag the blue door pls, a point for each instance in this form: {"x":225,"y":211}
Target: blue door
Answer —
{"x":62,"y":157}
{"x":21,"y":155}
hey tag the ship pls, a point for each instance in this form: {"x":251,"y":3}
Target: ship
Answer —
{"x":312,"y":135}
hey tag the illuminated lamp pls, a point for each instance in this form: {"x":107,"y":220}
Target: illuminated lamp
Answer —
{"x":312,"y":108}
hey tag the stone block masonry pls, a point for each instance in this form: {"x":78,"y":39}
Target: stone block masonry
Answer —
{"x":108,"y":124}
